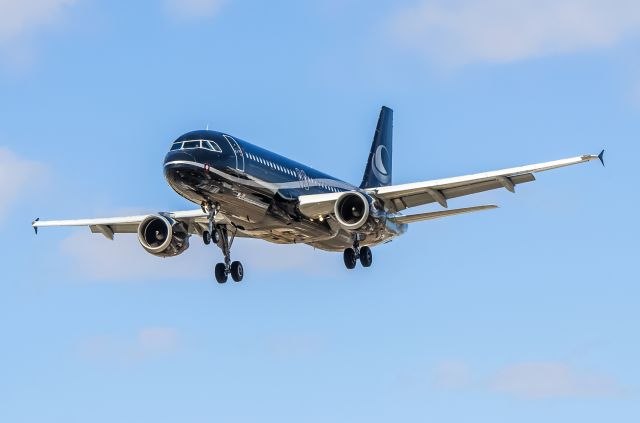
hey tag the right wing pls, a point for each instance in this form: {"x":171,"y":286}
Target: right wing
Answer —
{"x":196,"y":221}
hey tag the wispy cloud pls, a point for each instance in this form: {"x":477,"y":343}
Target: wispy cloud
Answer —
{"x":540,"y":380}
{"x":93,"y":257}
{"x":16,"y":174}
{"x":147,"y":343}
{"x":21,"y":19}
{"x":533,"y":380}
{"x":465,"y":31}
{"x":190,"y":9}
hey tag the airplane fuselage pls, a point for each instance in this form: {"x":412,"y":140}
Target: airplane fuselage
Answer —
{"x":258,"y":191}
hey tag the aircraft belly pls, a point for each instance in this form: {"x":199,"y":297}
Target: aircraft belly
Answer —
{"x":237,"y":202}
{"x":260,"y":213}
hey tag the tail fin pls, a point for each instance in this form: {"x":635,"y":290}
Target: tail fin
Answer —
{"x":379,"y":166}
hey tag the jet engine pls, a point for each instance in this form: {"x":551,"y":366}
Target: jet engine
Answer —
{"x":163,"y":236}
{"x":352,"y":210}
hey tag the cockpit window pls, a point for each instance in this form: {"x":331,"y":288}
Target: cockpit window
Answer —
{"x":191,"y":144}
{"x":211,"y":145}
{"x":206,"y":144}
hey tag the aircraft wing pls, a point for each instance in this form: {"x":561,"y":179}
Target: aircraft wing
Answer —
{"x":196,"y":221}
{"x":400,"y":197}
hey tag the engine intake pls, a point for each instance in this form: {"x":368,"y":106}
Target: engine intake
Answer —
{"x":162,"y":236}
{"x":352,"y":210}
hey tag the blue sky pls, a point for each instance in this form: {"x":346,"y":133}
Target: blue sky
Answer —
{"x":527,"y":313}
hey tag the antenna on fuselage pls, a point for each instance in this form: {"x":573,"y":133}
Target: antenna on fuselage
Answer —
{"x":207,"y":126}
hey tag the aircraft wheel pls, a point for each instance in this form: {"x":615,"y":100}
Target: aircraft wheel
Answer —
{"x":206,"y":237}
{"x":366,"y":257}
{"x":221,"y":273}
{"x":237,"y":271}
{"x":350,"y":258}
{"x":215,"y":237}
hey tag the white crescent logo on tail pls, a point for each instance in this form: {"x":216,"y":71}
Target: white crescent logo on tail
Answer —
{"x":379,"y":170}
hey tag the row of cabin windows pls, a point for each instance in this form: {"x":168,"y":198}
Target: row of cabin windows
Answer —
{"x":271,"y":164}
{"x":285,"y":170}
{"x":206,"y":144}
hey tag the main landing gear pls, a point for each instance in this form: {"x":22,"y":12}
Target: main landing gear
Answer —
{"x":220,"y":236}
{"x":352,"y":255}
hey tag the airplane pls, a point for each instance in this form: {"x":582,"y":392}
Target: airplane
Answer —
{"x":247,"y":191}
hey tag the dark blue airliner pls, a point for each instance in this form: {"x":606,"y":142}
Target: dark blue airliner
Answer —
{"x":247,"y":191}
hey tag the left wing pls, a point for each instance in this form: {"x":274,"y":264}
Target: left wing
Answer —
{"x":400,"y":197}
{"x":196,"y":221}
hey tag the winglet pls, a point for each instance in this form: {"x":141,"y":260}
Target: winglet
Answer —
{"x":35,"y":228}
{"x":601,"y":157}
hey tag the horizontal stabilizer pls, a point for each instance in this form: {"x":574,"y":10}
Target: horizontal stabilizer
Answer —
{"x":436,"y":215}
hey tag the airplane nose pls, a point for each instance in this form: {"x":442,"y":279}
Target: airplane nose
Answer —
{"x":179,"y":155}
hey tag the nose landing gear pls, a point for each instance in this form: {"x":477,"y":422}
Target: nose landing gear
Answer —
{"x":219,"y":234}
{"x":352,"y":255}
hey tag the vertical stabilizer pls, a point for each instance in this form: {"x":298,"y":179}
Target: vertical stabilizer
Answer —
{"x":379,"y":165}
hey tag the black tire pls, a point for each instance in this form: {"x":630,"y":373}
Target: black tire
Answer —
{"x":206,"y":237}
{"x":366,"y":257}
{"x":215,"y":237}
{"x":349,"y":256}
{"x":237,"y":271}
{"x":221,"y":273}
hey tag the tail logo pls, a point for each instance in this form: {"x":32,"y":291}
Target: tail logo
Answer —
{"x":379,"y":169}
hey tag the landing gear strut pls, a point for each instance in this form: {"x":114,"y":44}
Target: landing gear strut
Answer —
{"x":220,"y":236}
{"x":352,"y":255}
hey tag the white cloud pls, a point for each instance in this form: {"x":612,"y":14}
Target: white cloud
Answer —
{"x":188,"y":9}
{"x":542,"y":380}
{"x":146,"y":343}
{"x":464,"y":31}
{"x":94,"y":257}
{"x":20,"y":18}
{"x":16,"y":174}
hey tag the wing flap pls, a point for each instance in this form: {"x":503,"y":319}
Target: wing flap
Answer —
{"x":444,"y":213}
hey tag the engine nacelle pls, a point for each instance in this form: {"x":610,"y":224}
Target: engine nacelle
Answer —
{"x":162,"y":236}
{"x":352,"y":210}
